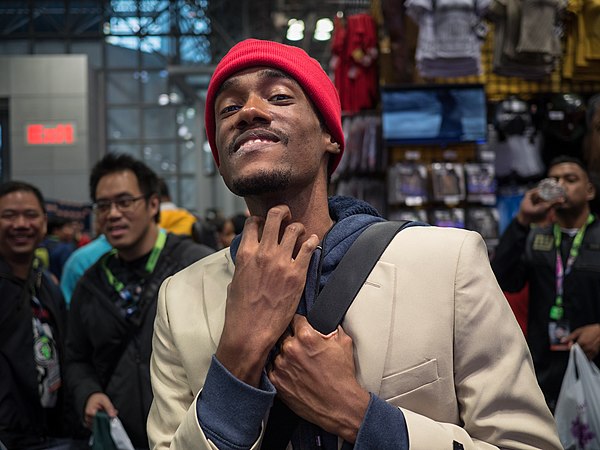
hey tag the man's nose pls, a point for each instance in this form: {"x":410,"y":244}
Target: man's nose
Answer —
{"x":113,"y":211}
{"x":21,"y":221}
{"x":254,"y":110}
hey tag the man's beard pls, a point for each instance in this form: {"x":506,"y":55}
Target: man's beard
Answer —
{"x":265,"y":182}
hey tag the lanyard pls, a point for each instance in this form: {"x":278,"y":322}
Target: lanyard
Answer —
{"x":557,"y":311}
{"x":150,"y":264}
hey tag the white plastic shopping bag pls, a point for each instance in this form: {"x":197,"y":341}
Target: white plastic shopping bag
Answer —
{"x":109,"y":433}
{"x":119,"y":435}
{"x":577,"y":411}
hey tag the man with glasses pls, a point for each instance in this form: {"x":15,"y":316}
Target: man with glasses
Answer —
{"x":114,"y":303}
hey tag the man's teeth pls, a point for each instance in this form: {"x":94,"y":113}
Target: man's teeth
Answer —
{"x":255,"y":141}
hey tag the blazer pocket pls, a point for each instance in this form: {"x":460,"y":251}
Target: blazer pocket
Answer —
{"x":409,"y":380}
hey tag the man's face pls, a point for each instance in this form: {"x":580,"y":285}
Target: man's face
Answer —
{"x":268,"y":135}
{"x":124,"y":227}
{"x":579,"y":190}
{"x":67,"y":232}
{"x":22,"y":226}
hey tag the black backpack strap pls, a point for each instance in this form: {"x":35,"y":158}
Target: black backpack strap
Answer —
{"x":330,"y":308}
{"x":350,"y":275}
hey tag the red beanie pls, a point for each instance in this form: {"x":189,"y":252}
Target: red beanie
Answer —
{"x":291,"y":60}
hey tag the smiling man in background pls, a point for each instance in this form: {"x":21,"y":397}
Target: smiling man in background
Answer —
{"x":32,"y":316}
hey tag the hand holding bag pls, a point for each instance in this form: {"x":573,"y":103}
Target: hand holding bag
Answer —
{"x":577,"y":412}
{"x":109,"y":434}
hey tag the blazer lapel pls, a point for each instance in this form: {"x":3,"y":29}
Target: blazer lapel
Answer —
{"x":215,"y":281}
{"x":368,"y":322}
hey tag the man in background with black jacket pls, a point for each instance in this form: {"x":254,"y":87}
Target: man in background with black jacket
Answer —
{"x":114,"y":304}
{"x":32,"y":319}
{"x":561,"y":263}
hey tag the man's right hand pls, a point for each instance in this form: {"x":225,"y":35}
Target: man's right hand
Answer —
{"x":98,"y":401}
{"x":534,"y":209}
{"x":270,"y":273}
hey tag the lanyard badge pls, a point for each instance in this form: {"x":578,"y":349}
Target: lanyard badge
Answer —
{"x":559,"y":327}
{"x":130,"y":294}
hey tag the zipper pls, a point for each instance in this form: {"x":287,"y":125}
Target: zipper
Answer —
{"x":321,"y":246}
{"x":138,"y":369}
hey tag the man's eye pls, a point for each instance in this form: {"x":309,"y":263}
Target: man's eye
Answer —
{"x":103,"y":206}
{"x":32,"y":214}
{"x":280,"y":97}
{"x":230,"y":108}
{"x":124,"y":202}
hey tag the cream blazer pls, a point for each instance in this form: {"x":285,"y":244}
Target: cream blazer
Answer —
{"x":433,"y":335}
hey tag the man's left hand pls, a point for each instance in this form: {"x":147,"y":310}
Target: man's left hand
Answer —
{"x":588,"y":338}
{"x":315,"y":376}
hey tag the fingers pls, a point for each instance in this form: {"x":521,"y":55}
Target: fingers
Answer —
{"x":251,"y":230}
{"x":275,"y":217}
{"x":301,"y":327}
{"x":98,"y":402}
{"x":291,"y":235}
{"x":307,"y":249}
{"x":273,"y":235}
{"x":572,"y":337}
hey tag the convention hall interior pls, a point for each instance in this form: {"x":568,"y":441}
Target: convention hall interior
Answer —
{"x":80,"y":78}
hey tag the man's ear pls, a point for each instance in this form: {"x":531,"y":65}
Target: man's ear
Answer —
{"x":154,"y":204}
{"x":591,"y":191}
{"x":44,"y":228}
{"x":332,"y":146}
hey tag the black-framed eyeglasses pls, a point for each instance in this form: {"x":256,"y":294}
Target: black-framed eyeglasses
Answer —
{"x":123,"y":204}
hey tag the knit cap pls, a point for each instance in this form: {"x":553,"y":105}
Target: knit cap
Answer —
{"x":292,"y":60}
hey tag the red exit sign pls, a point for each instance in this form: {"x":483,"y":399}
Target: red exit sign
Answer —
{"x":50,"y":134}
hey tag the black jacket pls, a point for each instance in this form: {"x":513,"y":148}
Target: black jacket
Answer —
{"x":23,"y":421}
{"x":529,"y":256}
{"x":107,"y":352}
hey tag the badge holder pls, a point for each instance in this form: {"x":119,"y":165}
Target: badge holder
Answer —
{"x":558,"y":328}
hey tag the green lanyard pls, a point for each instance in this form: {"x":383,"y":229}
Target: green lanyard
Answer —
{"x":557,"y":311}
{"x":150,"y":264}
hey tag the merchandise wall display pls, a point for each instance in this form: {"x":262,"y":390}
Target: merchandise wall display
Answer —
{"x":480,"y":179}
{"x":582,"y":55}
{"x":485,"y":221}
{"x":413,"y":185}
{"x":448,"y":182}
{"x":363,"y":153}
{"x":354,"y":52}
{"x":450,"y":36}
{"x":408,"y":184}
{"x":532,"y":52}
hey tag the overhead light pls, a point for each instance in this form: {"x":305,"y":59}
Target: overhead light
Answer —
{"x":163,"y":99}
{"x":295,"y":30}
{"x":323,"y":29}
{"x":183,"y":131}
